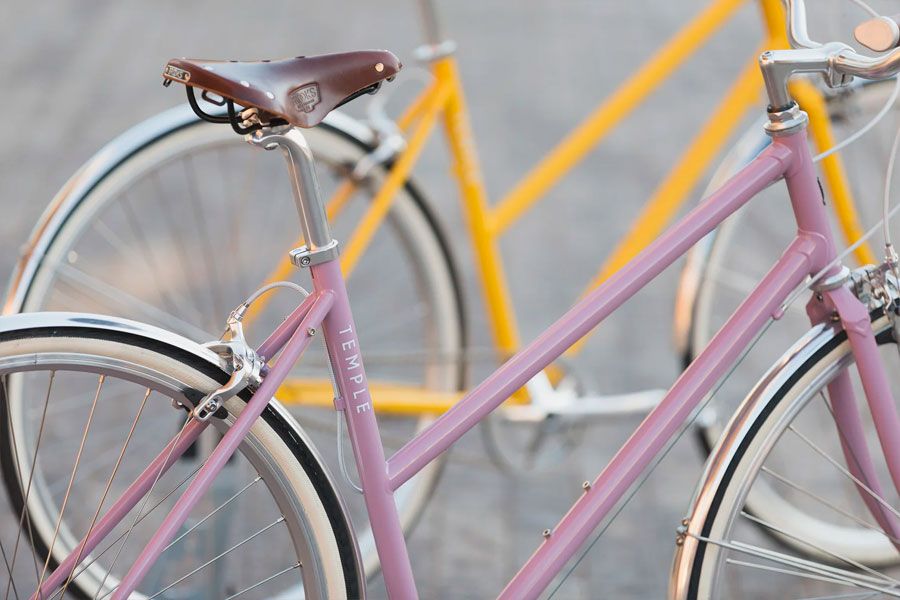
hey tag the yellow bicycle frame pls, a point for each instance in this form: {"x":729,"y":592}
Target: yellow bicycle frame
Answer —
{"x":444,"y":99}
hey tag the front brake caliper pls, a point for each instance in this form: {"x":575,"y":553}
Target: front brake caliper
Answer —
{"x":246,"y":366}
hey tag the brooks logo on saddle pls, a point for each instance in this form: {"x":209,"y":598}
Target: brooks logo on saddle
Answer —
{"x":306,"y":98}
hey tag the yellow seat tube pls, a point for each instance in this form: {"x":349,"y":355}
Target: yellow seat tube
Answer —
{"x":609,"y":114}
{"x":477,"y":212}
{"x":381,"y":203}
{"x":811,"y":101}
{"x":672,"y":193}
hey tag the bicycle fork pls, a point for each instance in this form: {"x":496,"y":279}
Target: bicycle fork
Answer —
{"x":837,"y":302}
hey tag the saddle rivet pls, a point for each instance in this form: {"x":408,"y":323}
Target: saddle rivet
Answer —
{"x":546,"y":533}
{"x":245,"y":84}
{"x":379,"y":67}
{"x":270,"y":95}
{"x":586,"y":485}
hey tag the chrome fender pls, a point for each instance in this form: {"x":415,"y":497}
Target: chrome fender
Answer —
{"x":739,"y":427}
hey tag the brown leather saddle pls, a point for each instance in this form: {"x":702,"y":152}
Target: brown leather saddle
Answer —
{"x":300,"y":90}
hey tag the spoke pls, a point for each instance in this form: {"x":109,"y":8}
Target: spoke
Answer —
{"x":25,"y":518}
{"x":97,"y":465}
{"x":833,"y":574}
{"x":264,"y":581}
{"x":15,"y":591}
{"x":142,"y":517}
{"x":238,"y":214}
{"x":109,"y":482}
{"x":859,"y":595}
{"x":214,"y":559}
{"x":125,"y":249}
{"x":122,"y":247}
{"x":65,"y":501}
{"x":216,"y":290}
{"x":843,"y":470}
{"x":149,"y":256}
{"x":169,"y":215}
{"x":97,"y":288}
{"x":825,"y":502}
{"x":773,"y":569}
{"x":137,"y":515}
{"x":845,"y":443}
{"x":841,"y":558}
{"x":214,"y":511}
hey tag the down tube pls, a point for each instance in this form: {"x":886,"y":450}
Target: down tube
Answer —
{"x":664,"y":421}
{"x":590,"y":311}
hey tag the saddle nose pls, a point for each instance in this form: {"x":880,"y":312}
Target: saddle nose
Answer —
{"x":300,"y":90}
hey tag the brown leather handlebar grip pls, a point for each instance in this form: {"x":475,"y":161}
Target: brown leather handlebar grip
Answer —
{"x":879,"y":34}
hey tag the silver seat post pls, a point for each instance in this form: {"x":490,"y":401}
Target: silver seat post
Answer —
{"x":319,"y":245}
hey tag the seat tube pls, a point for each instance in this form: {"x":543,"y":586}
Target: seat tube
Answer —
{"x":320,"y":254}
{"x":353,"y":398}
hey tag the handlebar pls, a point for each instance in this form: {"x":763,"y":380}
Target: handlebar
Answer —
{"x":796,"y":25}
{"x":838,"y":62}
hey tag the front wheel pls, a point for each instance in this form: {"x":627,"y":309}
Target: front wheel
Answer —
{"x":782,"y":450}
{"x":85,"y":404}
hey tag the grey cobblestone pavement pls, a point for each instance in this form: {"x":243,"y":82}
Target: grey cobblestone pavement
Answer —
{"x":75,"y":74}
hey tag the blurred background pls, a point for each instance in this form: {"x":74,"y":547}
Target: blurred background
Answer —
{"x":76,"y":74}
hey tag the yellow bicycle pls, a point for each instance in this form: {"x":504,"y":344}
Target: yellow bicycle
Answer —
{"x":158,"y":202}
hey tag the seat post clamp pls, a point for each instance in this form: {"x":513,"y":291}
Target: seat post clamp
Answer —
{"x":304,"y":257}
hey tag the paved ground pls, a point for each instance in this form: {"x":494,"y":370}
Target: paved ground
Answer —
{"x":75,"y":74}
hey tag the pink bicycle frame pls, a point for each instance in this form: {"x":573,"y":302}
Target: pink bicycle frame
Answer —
{"x":328,"y":307}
